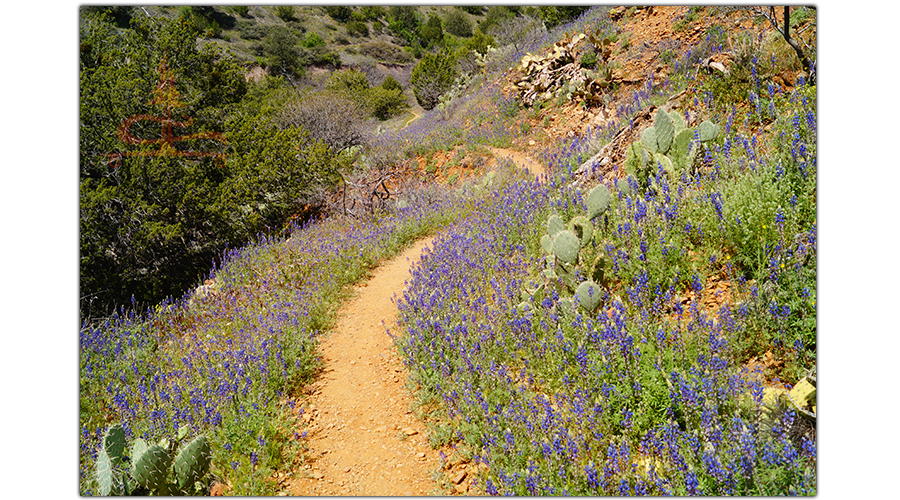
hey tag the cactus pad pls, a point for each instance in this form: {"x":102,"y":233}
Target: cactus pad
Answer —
{"x":566,"y":246}
{"x":649,"y":139}
{"x":598,"y":268}
{"x":582,"y":228}
{"x":597,"y":201}
{"x":547,"y":243}
{"x":708,"y":131}
{"x":665,"y":131}
{"x":105,"y":473}
{"x":665,"y":162}
{"x":554,"y":225}
{"x":677,"y":121}
{"x":589,"y":295}
{"x":192,"y":462}
{"x":151,"y":468}
{"x":114,"y":444}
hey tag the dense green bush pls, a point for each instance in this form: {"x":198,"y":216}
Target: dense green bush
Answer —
{"x":313,"y":40}
{"x":285,"y":12}
{"x":357,"y":28}
{"x":384,"y":103}
{"x":404,"y":22}
{"x":431,"y":33}
{"x":391,"y":83}
{"x":150,"y":227}
{"x":340,"y":13}
{"x":241,"y":10}
{"x":372,"y":12}
{"x":280,"y":50}
{"x":431,"y":77}
{"x":458,"y":24}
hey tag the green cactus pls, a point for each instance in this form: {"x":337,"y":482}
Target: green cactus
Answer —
{"x":583,"y":229}
{"x":564,"y":305}
{"x":566,"y":246}
{"x":589,"y":295}
{"x":708,"y":131}
{"x":649,"y":139}
{"x":598,"y":269}
{"x":192,"y":462}
{"x":114,"y":444}
{"x":597,"y":201}
{"x":547,"y":243}
{"x":106,"y":475}
{"x":151,"y":468}
{"x":677,"y":121}
{"x":665,"y":162}
{"x":665,"y":131}
{"x":554,"y":225}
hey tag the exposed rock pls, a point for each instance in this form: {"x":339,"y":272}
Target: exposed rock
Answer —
{"x":217,"y":490}
{"x":459,"y":477}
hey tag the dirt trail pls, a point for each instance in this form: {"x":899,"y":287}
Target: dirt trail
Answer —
{"x":520,"y":159}
{"x":363,"y":439}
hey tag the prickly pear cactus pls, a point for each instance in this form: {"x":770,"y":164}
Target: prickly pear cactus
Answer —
{"x":665,"y":162}
{"x":566,"y":246}
{"x":555,"y":224}
{"x":708,"y":131}
{"x":114,"y":443}
{"x":678,"y":121}
{"x":649,"y":139}
{"x":598,"y":269}
{"x":581,"y":226}
{"x":151,"y":468}
{"x":597,"y":201}
{"x":547,"y":243}
{"x":192,"y":462}
{"x":106,"y":476}
{"x":665,"y":131}
{"x":589,"y":295}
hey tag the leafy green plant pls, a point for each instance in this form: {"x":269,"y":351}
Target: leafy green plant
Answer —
{"x":285,"y":12}
{"x":431,"y":77}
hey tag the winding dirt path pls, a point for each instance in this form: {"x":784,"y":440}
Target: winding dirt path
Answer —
{"x":363,"y":439}
{"x":520,"y":159}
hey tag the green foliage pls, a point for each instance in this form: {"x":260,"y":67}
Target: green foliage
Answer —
{"x":357,"y":28}
{"x":280,"y":49}
{"x":384,"y":103}
{"x":479,"y":42}
{"x":373,"y":12}
{"x":432,"y":76}
{"x":494,"y":15}
{"x":431,"y":33}
{"x":597,"y":201}
{"x":340,"y":13}
{"x":241,"y":10}
{"x":348,"y":80}
{"x":285,"y":12}
{"x":404,"y":22}
{"x":458,"y":24}
{"x":150,"y":227}
{"x":391,"y":83}
{"x":384,"y":52}
{"x":588,"y":59}
{"x":313,"y":39}
{"x":555,"y":15}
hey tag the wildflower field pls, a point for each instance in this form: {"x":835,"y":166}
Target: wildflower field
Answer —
{"x":627,"y":363}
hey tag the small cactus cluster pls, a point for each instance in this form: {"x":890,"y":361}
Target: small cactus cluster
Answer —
{"x":563,"y":244}
{"x":670,"y":143}
{"x":148,"y":468}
